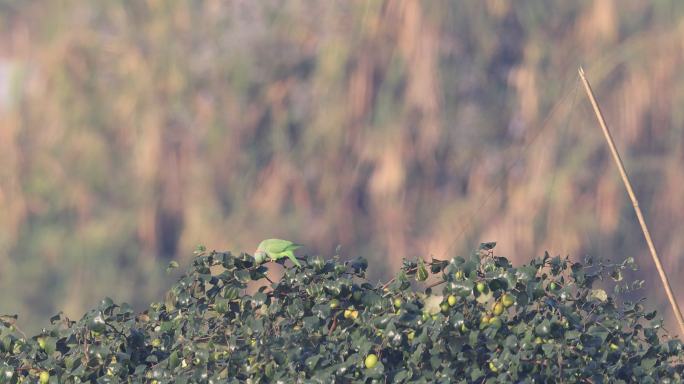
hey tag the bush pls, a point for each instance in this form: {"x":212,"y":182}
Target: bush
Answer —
{"x":475,"y":320}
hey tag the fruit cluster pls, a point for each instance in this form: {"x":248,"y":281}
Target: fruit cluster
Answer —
{"x":477,"y":319}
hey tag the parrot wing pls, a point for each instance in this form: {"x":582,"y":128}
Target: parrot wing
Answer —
{"x":277,"y":249}
{"x":273,"y":245}
{"x":293,"y":246}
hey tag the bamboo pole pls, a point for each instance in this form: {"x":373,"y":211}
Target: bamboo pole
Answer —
{"x":635,"y":203}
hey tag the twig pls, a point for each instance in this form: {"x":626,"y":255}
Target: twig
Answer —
{"x":387,"y":284}
{"x":333,"y":326}
{"x":625,"y":179}
{"x":436,"y":283}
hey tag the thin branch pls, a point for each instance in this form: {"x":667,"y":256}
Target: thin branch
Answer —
{"x":625,"y":179}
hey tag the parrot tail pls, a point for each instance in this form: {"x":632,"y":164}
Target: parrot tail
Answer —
{"x":292,"y":258}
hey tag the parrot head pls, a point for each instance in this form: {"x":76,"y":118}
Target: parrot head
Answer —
{"x":260,"y":257}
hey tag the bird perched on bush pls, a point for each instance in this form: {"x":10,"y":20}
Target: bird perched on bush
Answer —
{"x":275,"y":249}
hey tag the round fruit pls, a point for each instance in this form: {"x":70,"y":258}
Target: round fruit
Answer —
{"x":371,"y":360}
{"x":538,"y":340}
{"x":444,"y":307}
{"x":411,"y":335}
{"x":397,"y":303}
{"x":481,"y":287}
{"x":493,"y":367}
{"x":41,"y":342}
{"x":613,"y":347}
{"x":44,"y":377}
{"x":495,"y":321}
{"x":334,"y":303}
{"x":347,"y":313}
{"x":484,"y":321}
{"x":156,"y":343}
{"x":458,"y":275}
{"x":507,"y":300}
{"x":354,"y":314}
{"x":498,"y":309}
{"x":452,"y":300}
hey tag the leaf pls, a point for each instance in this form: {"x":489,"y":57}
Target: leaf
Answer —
{"x":599,"y":294}
{"x":648,"y":363}
{"x":422,"y":273}
{"x":318,"y":324}
{"x":432,"y":304}
{"x":616,"y":275}
{"x":173,"y":264}
{"x":486,"y":297}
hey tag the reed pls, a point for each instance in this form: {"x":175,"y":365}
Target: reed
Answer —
{"x":635,"y":203}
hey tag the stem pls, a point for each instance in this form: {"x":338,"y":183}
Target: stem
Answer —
{"x":625,"y":179}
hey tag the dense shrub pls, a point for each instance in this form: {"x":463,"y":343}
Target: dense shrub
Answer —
{"x":463,"y":320}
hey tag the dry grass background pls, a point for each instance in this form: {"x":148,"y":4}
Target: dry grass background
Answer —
{"x":130,"y":131}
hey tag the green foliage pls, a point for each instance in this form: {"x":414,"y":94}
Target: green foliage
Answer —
{"x":324,"y":322}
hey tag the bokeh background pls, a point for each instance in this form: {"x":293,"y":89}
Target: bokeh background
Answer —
{"x":131,"y":131}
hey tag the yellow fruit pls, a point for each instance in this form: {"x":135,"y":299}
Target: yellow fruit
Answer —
{"x":397,"y":303}
{"x":538,"y":340}
{"x":347,"y":313}
{"x":464,"y":328}
{"x":354,"y":314}
{"x":371,"y":360}
{"x":156,"y":343}
{"x":485,"y":318}
{"x":411,"y":335}
{"x":496,"y":321}
{"x":613,"y":346}
{"x":334,"y":303}
{"x":41,"y":342}
{"x":507,"y":300}
{"x":458,"y":275}
{"x":481,"y":287}
{"x":493,"y":367}
{"x":498,"y":309}
{"x":452,"y":300}
{"x":44,"y":377}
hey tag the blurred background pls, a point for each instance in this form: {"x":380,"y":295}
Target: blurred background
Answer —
{"x":132,"y":131}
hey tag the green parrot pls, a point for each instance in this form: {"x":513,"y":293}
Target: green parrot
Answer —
{"x":275,"y":249}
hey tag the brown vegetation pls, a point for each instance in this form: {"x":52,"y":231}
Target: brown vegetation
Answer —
{"x":132,"y":131}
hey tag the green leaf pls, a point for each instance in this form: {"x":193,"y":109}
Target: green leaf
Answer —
{"x":599,"y":294}
{"x":172,"y":265}
{"x":422,"y":273}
